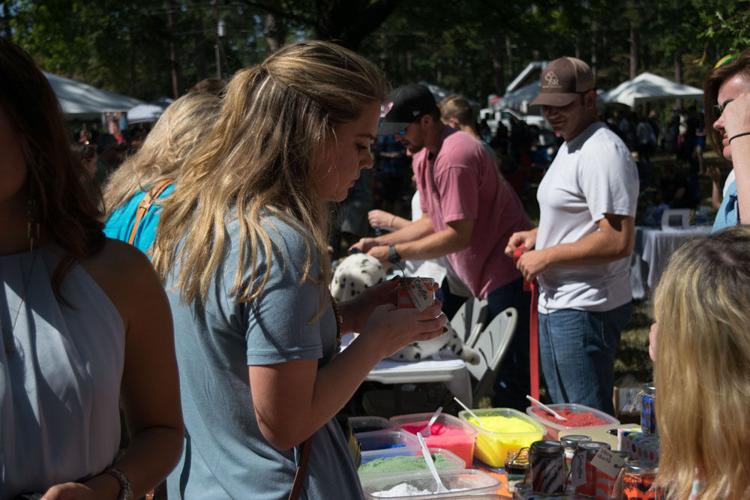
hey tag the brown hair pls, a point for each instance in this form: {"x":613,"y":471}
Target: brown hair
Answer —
{"x":458,"y":107}
{"x":714,"y":81}
{"x":66,"y":209}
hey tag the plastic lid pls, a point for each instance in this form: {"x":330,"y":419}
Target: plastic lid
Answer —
{"x":546,"y":447}
{"x":592,"y":447}
{"x":574,"y":439}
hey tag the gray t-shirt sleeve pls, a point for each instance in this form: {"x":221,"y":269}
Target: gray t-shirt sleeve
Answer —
{"x":608,"y":179}
{"x":281,"y":326}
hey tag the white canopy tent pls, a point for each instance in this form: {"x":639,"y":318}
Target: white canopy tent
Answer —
{"x":145,"y":113}
{"x":80,"y":100}
{"x":648,"y":87}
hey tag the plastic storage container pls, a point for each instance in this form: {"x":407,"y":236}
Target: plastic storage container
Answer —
{"x":448,"y":432}
{"x":577,"y":414}
{"x":492,"y":446}
{"x":467,"y":484}
{"x":368,"y":424}
{"x":406,"y":460}
{"x":385,"y":440}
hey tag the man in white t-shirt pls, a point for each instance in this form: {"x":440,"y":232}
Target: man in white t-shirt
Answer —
{"x":580,"y":251}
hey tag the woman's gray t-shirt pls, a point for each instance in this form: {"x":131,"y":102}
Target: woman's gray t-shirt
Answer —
{"x":225,"y":454}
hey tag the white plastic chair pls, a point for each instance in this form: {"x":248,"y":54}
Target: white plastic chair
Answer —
{"x":469,"y":319}
{"x":491,"y":344}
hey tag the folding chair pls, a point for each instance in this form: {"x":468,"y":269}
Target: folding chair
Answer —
{"x":491,"y":344}
{"x":470,"y":319}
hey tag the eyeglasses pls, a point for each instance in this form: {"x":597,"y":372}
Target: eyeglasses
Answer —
{"x":718,"y":109}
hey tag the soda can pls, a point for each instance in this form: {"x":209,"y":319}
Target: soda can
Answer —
{"x":648,"y":409}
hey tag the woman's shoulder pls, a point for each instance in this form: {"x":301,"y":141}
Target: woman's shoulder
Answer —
{"x":124,"y":273}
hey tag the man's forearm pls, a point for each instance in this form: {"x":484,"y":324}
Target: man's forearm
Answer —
{"x":432,"y":246}
{"x":418,"y":229}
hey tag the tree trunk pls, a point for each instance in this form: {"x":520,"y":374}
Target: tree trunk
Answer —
{"x":498,"y":66}
{"x":593,"y":49}
{"x":635,"y":41}
{"x":677,"y":60}
{"x":173,"y":65}
{"x":275,"y":32}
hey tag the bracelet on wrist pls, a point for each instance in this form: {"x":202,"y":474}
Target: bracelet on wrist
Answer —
{"x":741,"y":134}
{"x":126,"y":489}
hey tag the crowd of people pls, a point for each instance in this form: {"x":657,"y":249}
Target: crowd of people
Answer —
{"x":193,"y":295}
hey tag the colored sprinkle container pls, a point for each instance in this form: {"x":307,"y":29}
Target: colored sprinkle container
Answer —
{"x":464,"y":484}
{"x":502,"y":430}
{"x":580,"y":419}
{"x":448,"y":432}
{"x":406,"y":460}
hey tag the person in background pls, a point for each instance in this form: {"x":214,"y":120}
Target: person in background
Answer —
{"x":86,"y":154}
{"x":469,"y":214}
{"x":242,"y":245}
{"x":135,"y":192}
{"x":701,"y":353}
{"x":727,"y":113}
{"x":581,"y":250}
{"x":84,"y":321}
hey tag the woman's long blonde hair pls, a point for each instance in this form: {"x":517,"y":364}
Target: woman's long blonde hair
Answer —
{"x":275,"y":120}
{"x":184,"y":124}
{"x":702,"y":367}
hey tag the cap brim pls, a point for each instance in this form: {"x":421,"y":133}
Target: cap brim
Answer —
{"x":391,"y":128}
{"x":557,"y":100}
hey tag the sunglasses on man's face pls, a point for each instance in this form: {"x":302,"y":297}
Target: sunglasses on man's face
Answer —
{"x":718,"y":109}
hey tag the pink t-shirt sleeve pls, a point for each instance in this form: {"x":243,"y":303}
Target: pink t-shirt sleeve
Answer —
{"x":459,"y":193}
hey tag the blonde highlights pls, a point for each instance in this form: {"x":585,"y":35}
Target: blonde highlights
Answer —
{"x":702,"y":367}
{"x":275,"y":120}
{"x":182,"y":126}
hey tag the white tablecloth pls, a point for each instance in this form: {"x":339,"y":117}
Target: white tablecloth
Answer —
{"x":653,"y":248}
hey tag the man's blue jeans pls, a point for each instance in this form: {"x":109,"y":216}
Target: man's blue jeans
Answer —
{"x":578,"y":350}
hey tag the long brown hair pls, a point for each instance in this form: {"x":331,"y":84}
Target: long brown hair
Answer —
{"x":714,"y":81}
{"x":275,"y":120}
{"x":66,"y":209}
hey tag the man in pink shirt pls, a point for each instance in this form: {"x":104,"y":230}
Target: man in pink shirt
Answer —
{"x":469,"y":214}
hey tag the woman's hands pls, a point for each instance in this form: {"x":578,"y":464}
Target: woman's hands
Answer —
{"x":356,"y":311}
{"x":100,"y":487}
{"x":389,"y":329}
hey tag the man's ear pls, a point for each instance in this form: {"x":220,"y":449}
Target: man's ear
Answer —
{"x":426,"y":120}
{"x":589,"y":98}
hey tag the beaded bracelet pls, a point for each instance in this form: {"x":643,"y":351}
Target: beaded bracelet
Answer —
{"x":738,"y":135}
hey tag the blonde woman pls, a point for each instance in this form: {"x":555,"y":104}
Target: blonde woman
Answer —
{"x":702,"y":368}
{"x":242,"y":245}
{"x":134,"y":193}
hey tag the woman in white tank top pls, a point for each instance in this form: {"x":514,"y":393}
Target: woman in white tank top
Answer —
{"x":83,"y":320}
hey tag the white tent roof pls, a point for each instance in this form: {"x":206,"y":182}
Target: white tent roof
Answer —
{"x":649,"y":87}
{"x":145,"y":113}
{"x":79,"y":100}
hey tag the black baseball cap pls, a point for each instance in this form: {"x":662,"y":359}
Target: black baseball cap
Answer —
{"x":404,"y":106}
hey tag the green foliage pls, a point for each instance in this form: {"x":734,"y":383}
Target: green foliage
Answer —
{"x":474,"y":47}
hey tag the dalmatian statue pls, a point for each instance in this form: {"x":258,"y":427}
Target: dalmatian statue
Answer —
{"x":359,"y":271}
